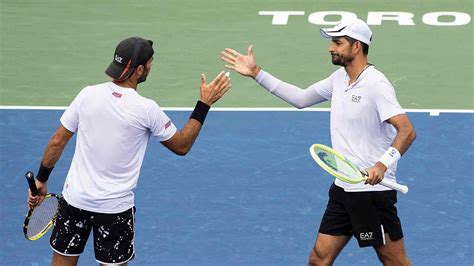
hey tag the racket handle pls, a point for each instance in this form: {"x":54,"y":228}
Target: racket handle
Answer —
{"x":394,"y":185}
{"x":30,"y":177}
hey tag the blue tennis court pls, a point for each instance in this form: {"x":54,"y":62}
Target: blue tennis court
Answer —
{"x":249,"y":193}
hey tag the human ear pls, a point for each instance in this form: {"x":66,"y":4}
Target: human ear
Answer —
{"x":358,"y":46}
{"x":140,"y":69}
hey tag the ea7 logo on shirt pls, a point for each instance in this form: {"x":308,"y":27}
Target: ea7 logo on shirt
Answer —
{"x":356,"y":98}
{"x":366,"y":236}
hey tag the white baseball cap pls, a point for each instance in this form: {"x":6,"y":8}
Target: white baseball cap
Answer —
{"x":354,"y":28}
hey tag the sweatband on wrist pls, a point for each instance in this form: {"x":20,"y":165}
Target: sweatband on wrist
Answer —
{"x":390,"y":157}
{"x":43,"y":173}
{"x":200,"y":112}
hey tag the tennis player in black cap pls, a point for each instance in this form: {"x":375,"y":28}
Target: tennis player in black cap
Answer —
{"x":113,"y":124}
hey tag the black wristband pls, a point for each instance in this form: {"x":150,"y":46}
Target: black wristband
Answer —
{"x":200,"y":112}
{"x":43,"y":173}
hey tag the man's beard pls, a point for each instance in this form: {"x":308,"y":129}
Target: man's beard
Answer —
{"x":340,"y":61}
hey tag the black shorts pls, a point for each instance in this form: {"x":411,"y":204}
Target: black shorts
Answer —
{"x":113,"y":233}
{"x":366,"y":215}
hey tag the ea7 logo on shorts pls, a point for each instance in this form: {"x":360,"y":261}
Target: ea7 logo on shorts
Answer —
{"x":118,"y":59}
{"x":356,"y":98}
{"x":366,"y":236}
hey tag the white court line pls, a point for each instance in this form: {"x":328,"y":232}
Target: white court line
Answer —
{"x":13,"y":107}
{"x":432,"y":112}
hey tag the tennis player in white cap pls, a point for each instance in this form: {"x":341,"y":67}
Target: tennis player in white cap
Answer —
{"x":368,"y":127}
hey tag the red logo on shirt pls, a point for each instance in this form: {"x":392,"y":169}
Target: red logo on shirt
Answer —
{"x":116,"y":94}
{"x":168,"y":124}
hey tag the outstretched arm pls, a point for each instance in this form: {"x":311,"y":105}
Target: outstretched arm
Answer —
{"x":246,"y":66}
{"x":182,"y":141}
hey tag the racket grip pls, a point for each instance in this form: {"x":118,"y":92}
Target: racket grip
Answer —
{"x":30,"y":177}
{"x":394,"y":185}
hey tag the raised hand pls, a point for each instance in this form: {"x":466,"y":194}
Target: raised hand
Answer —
{"x":242,"y":64}
{"x":213,"y":91}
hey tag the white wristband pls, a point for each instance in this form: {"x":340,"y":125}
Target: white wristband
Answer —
{"x":390,"y":157}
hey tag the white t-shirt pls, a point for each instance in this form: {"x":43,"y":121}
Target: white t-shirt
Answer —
{"x":358,"y":115}
{"x":113,"y":127}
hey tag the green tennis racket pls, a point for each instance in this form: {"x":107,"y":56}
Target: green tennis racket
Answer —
{"x":341,"y":168}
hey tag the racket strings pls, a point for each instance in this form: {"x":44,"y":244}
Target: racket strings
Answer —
{"x":42,"y":216}
{"x":338,"y":165}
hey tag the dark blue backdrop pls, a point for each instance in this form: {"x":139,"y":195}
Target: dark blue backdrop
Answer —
{"x":249,"y":193}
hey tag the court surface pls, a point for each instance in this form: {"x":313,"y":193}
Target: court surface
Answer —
{"x":50,"y":49}
{"x":249,"y":193}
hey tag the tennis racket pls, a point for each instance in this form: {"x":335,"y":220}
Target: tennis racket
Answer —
{"x":40,"y":218}
{"x":343,"y":169}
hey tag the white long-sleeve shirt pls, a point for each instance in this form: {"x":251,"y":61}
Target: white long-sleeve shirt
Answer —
{"x":359,"y":111}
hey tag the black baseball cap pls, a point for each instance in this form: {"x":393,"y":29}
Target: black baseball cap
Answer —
{"x":129,"y":54}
